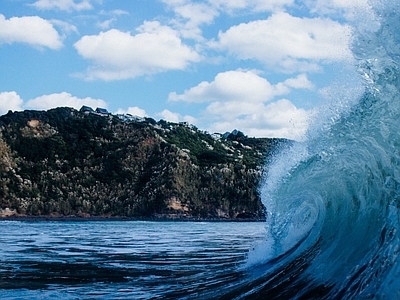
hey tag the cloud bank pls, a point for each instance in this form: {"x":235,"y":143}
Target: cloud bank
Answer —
{"x":287,"y":43}
{"x":34,"y":31}
{"x":115,"y":54}
{"x":240,"y":99}
{"x":63,"y":5}
{"x":12,"y":101}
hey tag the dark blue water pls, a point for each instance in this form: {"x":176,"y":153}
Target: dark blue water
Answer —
{"x":122,"y":260}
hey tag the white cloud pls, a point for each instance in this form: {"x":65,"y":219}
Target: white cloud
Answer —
{"x":120,"y":55}
{"x":239,"y":99}
{"x":240,"y":86}
{"x":134,"y":111}
{"x":231,"y":110}
{"x":253,"y":5}
{"x":32,"y":30}
{"x":197,"y":13}
{"x":119,"y":12}
{"x":300,"y":82}
{"x":176,"y":117}
{"x":190,"y":16}
{"x":169,"y":116}
{"x":106,"y":24}
{"x":64,"y":5}
{"x":229,"y":86}
{"x":63,"y":99}
{"x":287,"y":42}
{"x":278,"y":119}
{"x":10,"y":101}
{"x":65,"y":27}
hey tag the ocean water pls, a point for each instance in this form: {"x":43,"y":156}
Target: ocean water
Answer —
{"x":123,"y":259}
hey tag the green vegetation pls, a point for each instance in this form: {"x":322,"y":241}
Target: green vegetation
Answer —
{"x":63,"y":162}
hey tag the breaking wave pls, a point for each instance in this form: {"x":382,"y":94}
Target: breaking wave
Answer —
{"x":333,"y":201}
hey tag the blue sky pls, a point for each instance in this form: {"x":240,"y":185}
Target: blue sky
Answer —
{"x":263,"y":67}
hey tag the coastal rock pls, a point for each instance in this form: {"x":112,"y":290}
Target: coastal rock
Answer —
{"x":7,"y":212}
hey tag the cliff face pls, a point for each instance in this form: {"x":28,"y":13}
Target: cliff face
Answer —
{"x":64,"y":162}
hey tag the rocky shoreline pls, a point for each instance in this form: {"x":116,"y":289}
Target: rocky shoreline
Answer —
{"x":73,"y":218}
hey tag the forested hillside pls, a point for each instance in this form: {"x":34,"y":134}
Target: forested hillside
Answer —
{"x":64,"y":162}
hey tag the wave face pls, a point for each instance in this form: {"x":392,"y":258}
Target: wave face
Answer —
{"x":334,"y":201}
